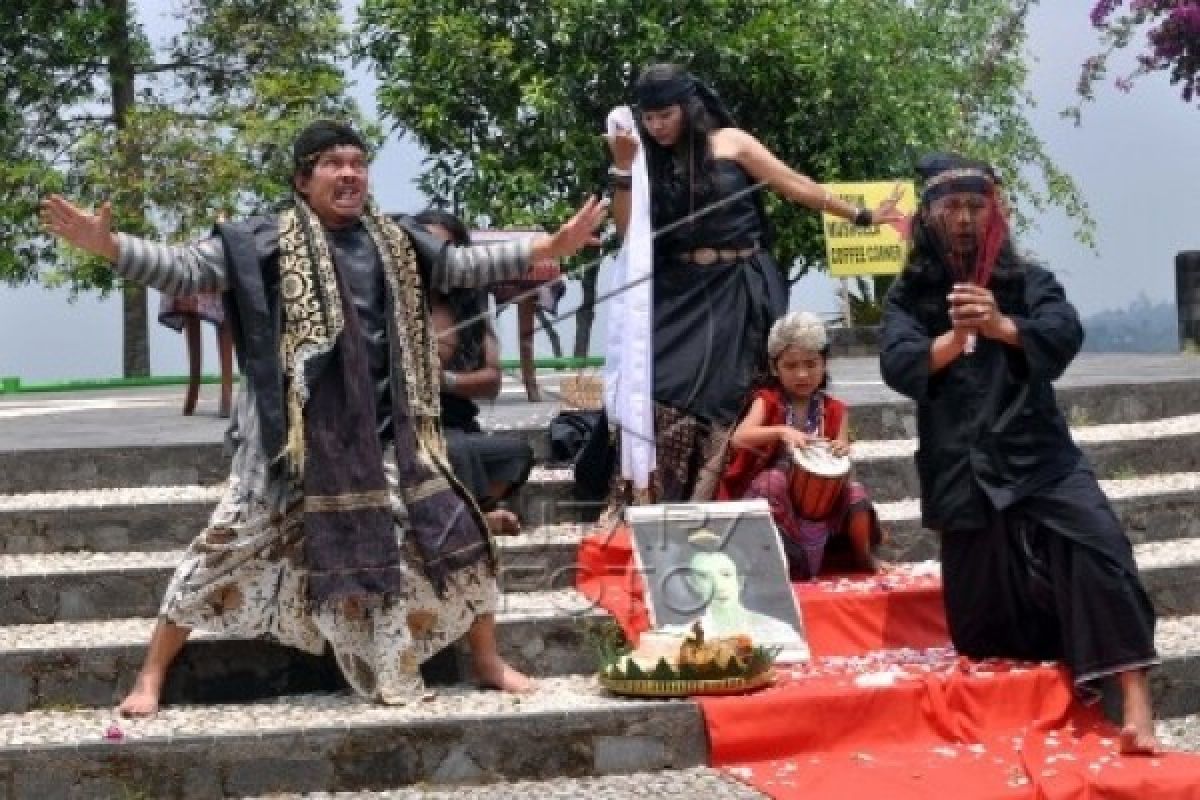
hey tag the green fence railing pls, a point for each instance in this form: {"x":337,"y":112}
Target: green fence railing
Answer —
{"x":11,"y":385}
{"x":14,"y":385}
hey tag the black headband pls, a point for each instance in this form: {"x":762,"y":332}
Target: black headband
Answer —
{"x":970,"y":181}
{"x":945,"y":173}
{"x":662,"y":93}
{"x":319,"y":137}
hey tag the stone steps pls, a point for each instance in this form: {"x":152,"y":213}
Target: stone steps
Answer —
{"x":1179,"y":733}
{"x":132,"y":519}
{"x":104,"y":520}
{"x":53,"y":504}
{"x":1154,"y":508}
{"x":48,"y":587}
{"x":699,"y":783}
{"x":82,"y":572}
{"x":93,"y":663}
{"x":568,"y":728}
{"x":159,"y":462}
{"x":886,"y":466}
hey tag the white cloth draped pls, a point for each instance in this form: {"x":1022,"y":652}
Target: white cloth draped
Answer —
{"x":629,"y":350}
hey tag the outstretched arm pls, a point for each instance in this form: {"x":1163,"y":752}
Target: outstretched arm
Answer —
{"x":480,"y":265}
{"x":175,"y":270}
{"x":578,"y":232}
{"x":764,"y":166}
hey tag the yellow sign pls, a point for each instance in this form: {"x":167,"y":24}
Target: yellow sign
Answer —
{"x":877,"y":250}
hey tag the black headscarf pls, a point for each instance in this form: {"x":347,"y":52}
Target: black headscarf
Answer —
{"x":655,"y":94}
{"x":319,"y":137}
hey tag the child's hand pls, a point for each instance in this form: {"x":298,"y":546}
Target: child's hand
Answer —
{"x":839,"y":448}
{"x":794,"y":438}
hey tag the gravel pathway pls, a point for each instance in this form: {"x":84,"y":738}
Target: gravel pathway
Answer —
{"x":1165,"y":428}
{"x":75,"y":563}
{"x":554,"y":696}
{"x":110,"y":498}
{"x":701,"y":783}
{"x":1181,"y":733}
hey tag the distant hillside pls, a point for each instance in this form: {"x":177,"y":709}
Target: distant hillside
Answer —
{"x":1142,"y":327}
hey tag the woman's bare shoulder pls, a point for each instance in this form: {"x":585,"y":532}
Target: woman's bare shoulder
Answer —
{"x":732,"y":143}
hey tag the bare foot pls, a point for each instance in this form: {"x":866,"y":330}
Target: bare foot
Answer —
{"x":497,"y":674}
{"x":1139,"y":740}
{"x":1137,"y":733}
{"x":872,"y":565}
{"x":502,"y":522}
{"x":885,"y":567}
{"x":143,"y":700}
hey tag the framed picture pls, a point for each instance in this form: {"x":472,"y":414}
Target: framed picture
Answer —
{"x":721,"y":564}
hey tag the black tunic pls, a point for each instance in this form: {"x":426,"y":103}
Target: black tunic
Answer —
{"x":988,"y":424}
{"x":711,"y":322}
{"x":1035,"y":564}
{"x":252,"y":302}
{"x":359,"y":265}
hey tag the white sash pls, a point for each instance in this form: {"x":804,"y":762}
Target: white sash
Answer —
{"x":629,"y":350}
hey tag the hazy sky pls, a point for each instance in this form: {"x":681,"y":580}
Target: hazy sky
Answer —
{"x":1135,"y":158}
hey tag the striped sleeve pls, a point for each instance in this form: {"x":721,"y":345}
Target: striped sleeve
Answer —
{"x":481,"y":264}
{"x":173,"y":269}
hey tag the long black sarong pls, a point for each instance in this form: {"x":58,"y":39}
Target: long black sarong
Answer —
{"x":710,"y":333}
{"x":1051,"y":578}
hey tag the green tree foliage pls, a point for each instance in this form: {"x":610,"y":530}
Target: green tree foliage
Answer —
{"x":509,"y":97}
{"x":173,"y":133}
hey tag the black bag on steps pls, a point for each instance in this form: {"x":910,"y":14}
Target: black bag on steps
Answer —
{"x":583,"y":439}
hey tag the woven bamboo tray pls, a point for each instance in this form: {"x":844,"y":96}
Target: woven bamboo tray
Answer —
{"x":684,"y":688}
{"x":583,"y":392}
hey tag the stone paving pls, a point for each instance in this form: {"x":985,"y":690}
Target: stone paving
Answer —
{"x":569,"y":727}
{"x":702,"y":783}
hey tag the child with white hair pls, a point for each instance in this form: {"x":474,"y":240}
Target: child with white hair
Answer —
{"x":792,"y":409}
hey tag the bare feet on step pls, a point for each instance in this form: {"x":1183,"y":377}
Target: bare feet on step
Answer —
{"x":502,"y":522}
{"x":1139,"y":740}
{"x":142,"y":701}
{"x":1137,"y":732}
{"x":495,"y":673}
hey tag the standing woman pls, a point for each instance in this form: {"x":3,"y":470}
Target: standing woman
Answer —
{"x":716,"y":288}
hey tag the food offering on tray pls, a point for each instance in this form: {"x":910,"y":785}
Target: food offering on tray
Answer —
{"x":669,"y":663}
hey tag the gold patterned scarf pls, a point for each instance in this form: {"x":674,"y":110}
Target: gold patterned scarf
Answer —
{"x":332,"y":446}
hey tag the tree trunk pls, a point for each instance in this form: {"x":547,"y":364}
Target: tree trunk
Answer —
{"x":135,"y":339}
{"x":586,"y":313}
{"x":135,"y":333}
